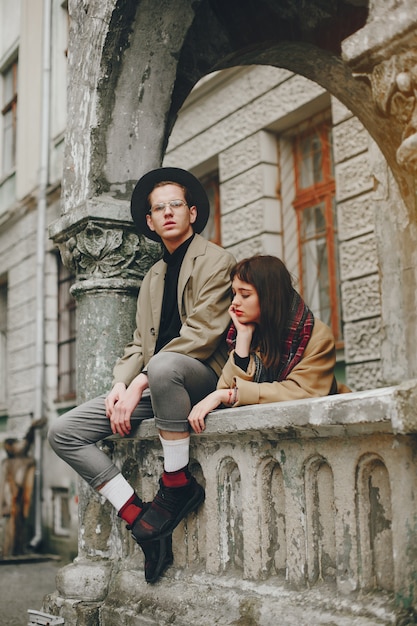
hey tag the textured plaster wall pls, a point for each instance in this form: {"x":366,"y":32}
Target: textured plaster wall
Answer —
{"x":18,"y":264}
{"x":239,"y":126}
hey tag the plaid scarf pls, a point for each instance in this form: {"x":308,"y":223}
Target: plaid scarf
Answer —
{"x":292,"y":344}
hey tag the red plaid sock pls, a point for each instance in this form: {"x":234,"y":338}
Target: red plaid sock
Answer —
{"x":180,"y":478}
{"x":131,"y":509}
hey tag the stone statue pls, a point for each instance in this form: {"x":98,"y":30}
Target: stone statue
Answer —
{"x":16,"y":487}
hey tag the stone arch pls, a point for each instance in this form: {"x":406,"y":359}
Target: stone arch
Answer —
{"x":272,"y":518}
{"x":374,"y":522}
{"x":143,"y":61}
{"x":320,"y":520}
{"x":230,"y":515}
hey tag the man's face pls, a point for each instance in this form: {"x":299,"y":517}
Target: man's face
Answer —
{"x":172,"y":223}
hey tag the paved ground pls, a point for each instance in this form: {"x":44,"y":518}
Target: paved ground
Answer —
{"x":23,"y":584}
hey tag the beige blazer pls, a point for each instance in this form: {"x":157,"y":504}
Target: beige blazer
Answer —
{"x":312,"y":377}
{"x":204,"y":296}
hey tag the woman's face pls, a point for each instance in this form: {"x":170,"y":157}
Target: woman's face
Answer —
{"x":245,"y":302}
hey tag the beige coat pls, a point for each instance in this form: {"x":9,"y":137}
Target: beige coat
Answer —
{"x":204,"y":296}
{"x":311,"y":378}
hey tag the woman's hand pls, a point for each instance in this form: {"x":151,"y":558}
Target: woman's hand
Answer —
{"x":244,"y":334}
{"x":199,"y":411}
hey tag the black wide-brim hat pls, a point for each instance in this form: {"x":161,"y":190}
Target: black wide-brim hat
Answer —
{"x":139,"y":205}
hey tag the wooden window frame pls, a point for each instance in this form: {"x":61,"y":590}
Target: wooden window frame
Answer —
{"x":11,"y":106}
{"x":211,"y":182}
{"x":319,"y":193}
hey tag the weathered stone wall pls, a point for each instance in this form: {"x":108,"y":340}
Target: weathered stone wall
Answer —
{"x":383,"y":54}
{"x":309,"y":506}
{"x":238,"y":125}
{"x":18,"y":264}
{"x":357,"y":209}
{"x":343,"y":503}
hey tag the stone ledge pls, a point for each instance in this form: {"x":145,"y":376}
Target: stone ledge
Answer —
{"x":295,"y":496}
{"x":228,"y":600}
{"x":388,"y":410}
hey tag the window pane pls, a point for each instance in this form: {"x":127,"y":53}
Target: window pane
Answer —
{"x":3,"y":346}
{"x":311,"y":161}
{"x":8,"y":87}
{"x":61,"y":509}
{"x":315,"y":262}
{"x":66,"y":335}
{"x":317,"y":223}
{"x":8,"y":139}
{"x":9,"y":122}
{"x":211,"y":186}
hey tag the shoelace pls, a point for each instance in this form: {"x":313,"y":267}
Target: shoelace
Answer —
{"x":167,"y":498}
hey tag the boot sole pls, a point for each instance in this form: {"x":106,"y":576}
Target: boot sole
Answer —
{"x":165,"y":558}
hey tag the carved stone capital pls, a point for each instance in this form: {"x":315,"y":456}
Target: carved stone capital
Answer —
{"x":385,"y":52}
{"x":102,"y":251}
{"x":99,"y":244}
{"x":394,"y":88}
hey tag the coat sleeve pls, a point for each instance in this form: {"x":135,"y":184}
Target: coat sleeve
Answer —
{"x":312,"y":377}
{"x":207,"y":300}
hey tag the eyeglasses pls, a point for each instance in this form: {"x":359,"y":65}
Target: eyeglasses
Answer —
{"x":174,"y":205}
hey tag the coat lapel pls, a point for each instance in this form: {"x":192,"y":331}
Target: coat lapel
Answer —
{"x":197,"y":247}
{"x":156,"y":293}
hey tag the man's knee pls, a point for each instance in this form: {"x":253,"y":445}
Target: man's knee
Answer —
{"x":165,"y":367}
{"x":59,"y":433}
{"x":54,"y":434}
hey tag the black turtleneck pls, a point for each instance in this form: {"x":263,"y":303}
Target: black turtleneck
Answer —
{"x":170,"y":323}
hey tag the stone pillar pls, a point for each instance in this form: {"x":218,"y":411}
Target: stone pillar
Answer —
{"x":384,"y":54}
{"x":98,"y":243}
{"x":122,"y":67}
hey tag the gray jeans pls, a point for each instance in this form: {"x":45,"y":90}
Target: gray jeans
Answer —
{"x":176,"y":383}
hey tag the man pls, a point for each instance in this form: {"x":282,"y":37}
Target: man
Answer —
{"x":173,"y":361}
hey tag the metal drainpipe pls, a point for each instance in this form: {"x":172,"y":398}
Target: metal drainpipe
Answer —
{"x":39,"y":408}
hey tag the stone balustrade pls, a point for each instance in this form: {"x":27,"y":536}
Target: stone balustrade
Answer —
{"x":310,"y":514}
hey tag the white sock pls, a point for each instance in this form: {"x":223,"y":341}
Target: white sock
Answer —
{"x":117,"y":491}
{"x":176,"y":453}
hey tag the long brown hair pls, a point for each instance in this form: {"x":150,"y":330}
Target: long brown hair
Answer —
{"x":273,"y":284}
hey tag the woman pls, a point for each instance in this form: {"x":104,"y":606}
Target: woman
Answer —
{"x":279,"y":350}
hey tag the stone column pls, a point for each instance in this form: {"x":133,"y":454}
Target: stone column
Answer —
{"x":122,"y":67}
{"x":98,"y":243}
{"x":384,"y":53}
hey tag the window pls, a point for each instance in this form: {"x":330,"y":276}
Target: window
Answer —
{"x":66,"y":335}
{"x":59,"y":60}
{"x":9,"y":113}
{"x":211,"y":185}
{"x":61,"y":511}
{"x":3,"y":348}
{"x":315,"y":208}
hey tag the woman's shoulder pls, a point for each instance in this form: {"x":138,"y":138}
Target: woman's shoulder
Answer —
{"x":321,"y":332}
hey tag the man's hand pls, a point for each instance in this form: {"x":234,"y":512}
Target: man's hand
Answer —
{"x":121,"y":402}
{"x":199,"y":411}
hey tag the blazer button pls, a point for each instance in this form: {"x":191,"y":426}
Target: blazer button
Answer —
{"x":152,"y":331}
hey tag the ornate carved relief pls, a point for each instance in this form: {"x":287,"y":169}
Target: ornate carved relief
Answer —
{"x":394,"y":86}
{"x":100,"y":251}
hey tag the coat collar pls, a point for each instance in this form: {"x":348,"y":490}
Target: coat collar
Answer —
{"x":197,"y":247}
